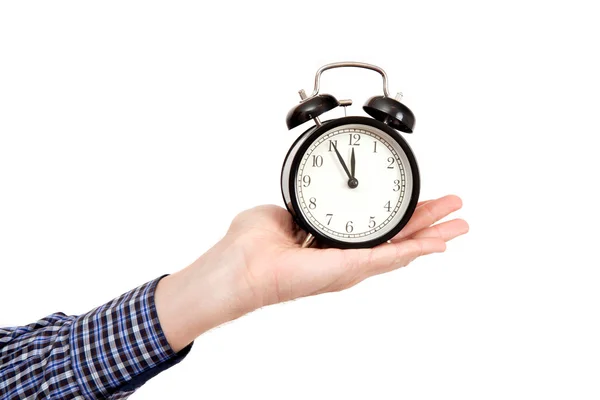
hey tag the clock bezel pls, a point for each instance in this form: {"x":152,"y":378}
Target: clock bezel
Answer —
{"x":314,"y":133}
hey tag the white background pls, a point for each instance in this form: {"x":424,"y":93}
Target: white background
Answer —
{"x":132,"y":132}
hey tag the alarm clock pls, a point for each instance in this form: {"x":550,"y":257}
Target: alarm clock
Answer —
{"x":350,"y":182}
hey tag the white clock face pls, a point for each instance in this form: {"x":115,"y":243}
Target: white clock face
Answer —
{"x":360,"y":205}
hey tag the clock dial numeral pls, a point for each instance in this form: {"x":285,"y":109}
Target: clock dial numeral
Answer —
{"x":332,"y":144}
{"x":388,"y":207}
{"x":330,"y":216}
{"x":374,"y":146}
{"x":306,"y":180}
{"x":349,"y":227}
{"x":354,"y":139}
{"x":312,"y":203}
{"x":372,"y":222}
{"x":391,"y":161}
{"x":317,"y":161}
{"x":396,"y":185}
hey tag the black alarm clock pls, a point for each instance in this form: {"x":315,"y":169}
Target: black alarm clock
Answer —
{"x":351,"y":182}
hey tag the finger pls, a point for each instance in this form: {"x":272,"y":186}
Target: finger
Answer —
{"x":446,"y":230}
{"x":390,"y":256}
{"x":421,"y":203}
{"x":428,"y":214}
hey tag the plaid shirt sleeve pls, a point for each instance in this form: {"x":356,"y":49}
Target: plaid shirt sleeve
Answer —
{"x":107,"y":353}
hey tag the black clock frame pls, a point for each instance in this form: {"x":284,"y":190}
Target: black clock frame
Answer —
{"x":295,"y":164}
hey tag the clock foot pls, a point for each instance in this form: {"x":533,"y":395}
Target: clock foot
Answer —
{"x":308,"y":241}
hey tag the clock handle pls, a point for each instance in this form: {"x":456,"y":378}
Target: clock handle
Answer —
{"x":349,"y":64}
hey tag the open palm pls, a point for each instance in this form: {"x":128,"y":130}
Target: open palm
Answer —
{"x":275,"y":268}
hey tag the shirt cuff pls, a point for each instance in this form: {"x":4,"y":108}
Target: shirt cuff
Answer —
{"x":119,"y":346}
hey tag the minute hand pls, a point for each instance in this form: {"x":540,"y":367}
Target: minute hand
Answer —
{"x":353,"y":164}
{"x":342,"y":161}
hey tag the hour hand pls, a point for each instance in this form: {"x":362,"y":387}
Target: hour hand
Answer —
{"x":352,"y":183}
{"x":339,"y":156}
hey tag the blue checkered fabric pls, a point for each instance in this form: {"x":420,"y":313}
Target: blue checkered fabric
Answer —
{"x":106,"y":353}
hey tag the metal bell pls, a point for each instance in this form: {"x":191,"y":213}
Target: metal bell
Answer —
{"x":391,"y":112}
{"x":310,"y":109}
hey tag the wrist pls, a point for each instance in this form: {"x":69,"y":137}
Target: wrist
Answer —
{"x":202,"y":296}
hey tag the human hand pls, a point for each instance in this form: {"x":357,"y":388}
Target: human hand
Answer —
{"x":260,"y":262}
{"x":277,"y":269}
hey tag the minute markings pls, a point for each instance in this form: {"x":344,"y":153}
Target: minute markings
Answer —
{"x":360,"y":226}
